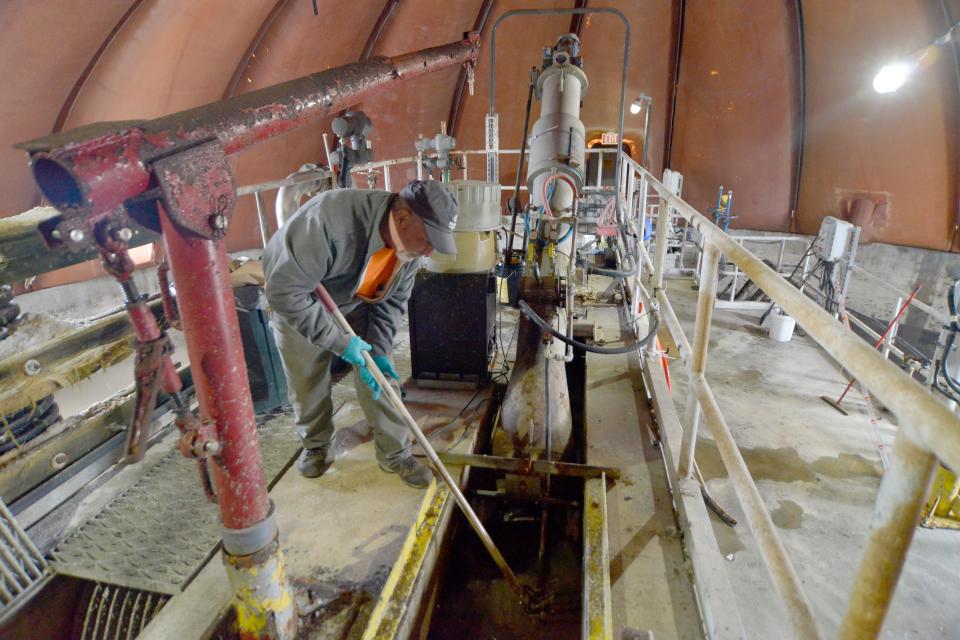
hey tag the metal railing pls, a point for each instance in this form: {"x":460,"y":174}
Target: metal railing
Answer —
{"x":928,"y":430}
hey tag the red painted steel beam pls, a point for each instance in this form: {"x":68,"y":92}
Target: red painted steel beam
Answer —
{"x":209,"y":316}
{"x":100,"y":166}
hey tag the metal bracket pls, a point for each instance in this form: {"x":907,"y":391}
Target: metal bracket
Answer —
{"x":199,"y":192}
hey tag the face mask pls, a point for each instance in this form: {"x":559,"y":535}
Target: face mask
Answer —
{"x":404,"y":255}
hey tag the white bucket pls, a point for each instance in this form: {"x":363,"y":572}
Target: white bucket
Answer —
{"x":781,"y":328}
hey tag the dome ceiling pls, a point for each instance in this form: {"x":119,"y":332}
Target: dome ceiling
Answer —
{"x":783,"y":115}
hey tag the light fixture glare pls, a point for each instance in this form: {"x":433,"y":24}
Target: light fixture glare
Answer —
{"x":891,"y":77}
{"x":635,"y":106}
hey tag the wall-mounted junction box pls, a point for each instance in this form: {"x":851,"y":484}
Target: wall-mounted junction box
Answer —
{"x":833,"y":239}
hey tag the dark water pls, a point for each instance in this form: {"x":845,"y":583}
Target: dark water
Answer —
{"x":475,"y":601}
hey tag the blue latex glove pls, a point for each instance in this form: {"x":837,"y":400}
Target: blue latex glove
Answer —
{"x":354,"y":351}
{"x":354,"y":355}
{"x":386,"y":367}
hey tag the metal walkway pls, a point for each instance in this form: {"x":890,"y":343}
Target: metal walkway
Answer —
{"x":156,"y":535}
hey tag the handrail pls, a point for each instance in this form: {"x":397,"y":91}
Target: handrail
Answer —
{"x":928,"y":422}
{"x":928,"y":429}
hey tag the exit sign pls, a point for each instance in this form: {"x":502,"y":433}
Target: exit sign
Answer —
{"x":608,"y":137}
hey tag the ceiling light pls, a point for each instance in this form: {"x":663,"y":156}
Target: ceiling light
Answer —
{"x":636,"y":106}
{"x":891,"y":77}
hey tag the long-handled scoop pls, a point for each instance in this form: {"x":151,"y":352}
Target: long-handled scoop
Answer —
{"x":527,"y":597}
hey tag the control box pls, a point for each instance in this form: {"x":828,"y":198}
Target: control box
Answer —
{"x":834,"y":239}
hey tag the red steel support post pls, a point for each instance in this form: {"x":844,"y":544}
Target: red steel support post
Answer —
{"x":171,"y":174}
{"x":264,"y":602}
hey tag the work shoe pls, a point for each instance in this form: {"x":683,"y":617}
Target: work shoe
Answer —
{"x":313,"y":463}
{"x":410,"y":471}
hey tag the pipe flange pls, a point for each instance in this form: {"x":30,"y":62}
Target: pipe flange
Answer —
{"x":244,"y":542}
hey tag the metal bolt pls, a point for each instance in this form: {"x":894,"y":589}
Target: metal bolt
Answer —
{"x":77,"y":235}
{"x":31,"y":367}
{"x":123,"y":234}
{"x":219,"y":221}
{"x":59,"y":461}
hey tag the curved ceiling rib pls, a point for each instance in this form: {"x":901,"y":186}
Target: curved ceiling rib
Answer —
{"x":378,"y":28}
{"x":454,"y":118}
{"x":251,"y":51}
{"x":78,"y":85}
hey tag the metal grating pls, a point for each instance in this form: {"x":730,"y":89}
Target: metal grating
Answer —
{"x":158,"y":533}
{"x":116,"y":613}
{"x":21,"y":563}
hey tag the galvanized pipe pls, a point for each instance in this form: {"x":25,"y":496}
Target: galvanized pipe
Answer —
{"x":897,"y":513}
{"x":775,"y":557}
{"x":262,"y":218}
{"x":926,"y":420}
{"x":701,"y":343}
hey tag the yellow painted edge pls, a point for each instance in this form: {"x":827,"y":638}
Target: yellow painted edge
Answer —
{"x":408,"y":563}
{"x":598,"y":625}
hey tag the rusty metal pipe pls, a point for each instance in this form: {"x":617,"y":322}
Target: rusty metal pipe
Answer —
{"x":258,"y":115}
{"x":709,"y":269}
{"x":100,"y":166}
{"x":896,"y":515}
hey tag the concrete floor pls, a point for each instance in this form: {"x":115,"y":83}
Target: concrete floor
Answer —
{"x":818,"y":472}
{"x":650,"y":584}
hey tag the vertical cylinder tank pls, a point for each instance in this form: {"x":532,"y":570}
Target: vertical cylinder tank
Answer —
{"x":557,"y":145}
{"x":558,"y":142}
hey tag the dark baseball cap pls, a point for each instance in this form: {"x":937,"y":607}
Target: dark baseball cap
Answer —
{"x":438,"y":210}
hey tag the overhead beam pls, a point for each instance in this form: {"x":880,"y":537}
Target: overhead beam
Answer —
{"x":576,"y":20}
{"x":676,"y":53}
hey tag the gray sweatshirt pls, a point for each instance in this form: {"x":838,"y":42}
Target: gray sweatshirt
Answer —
{"x":329,"y":241}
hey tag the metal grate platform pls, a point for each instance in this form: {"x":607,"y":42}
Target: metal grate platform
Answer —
{"x":158,"y":533}
{"x":21,"y":564}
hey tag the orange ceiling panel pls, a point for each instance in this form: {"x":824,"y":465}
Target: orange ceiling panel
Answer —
{"x":900,"y":148}
{"x":44,"y":47}
{"x":737,"y":109}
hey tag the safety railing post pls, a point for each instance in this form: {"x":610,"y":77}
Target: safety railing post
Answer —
{"x":900,"y":500}
{"x":894,"y":328}
{"x":701,"y":340}
{"x":660,"y":249}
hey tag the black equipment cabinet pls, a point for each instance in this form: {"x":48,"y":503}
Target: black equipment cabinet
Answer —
{"x":452,"y":324}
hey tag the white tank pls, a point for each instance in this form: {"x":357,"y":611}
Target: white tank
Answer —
{"x":475,"y":233}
